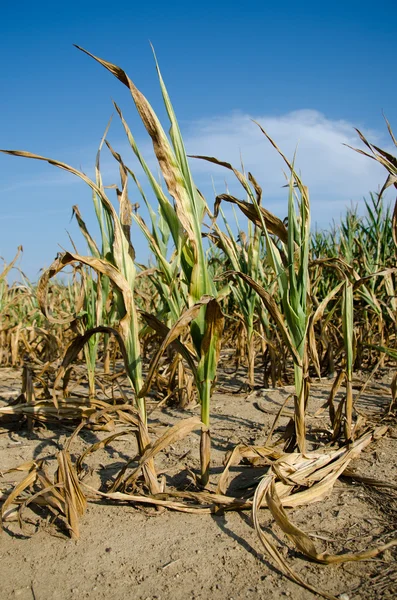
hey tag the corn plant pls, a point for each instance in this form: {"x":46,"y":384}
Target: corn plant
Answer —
{"x":184,"y":220}
{"x":289,"y":259}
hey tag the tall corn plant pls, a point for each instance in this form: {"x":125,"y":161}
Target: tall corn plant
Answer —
{"x":294,"y":286}
{"x":184,"y":219}
{"x":288,"y":255}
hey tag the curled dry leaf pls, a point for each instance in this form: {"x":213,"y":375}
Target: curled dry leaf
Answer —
{"x":170,"y":436}
{"x":101,"y":266}
{"x":318,"y":474}
{"x":64,"y":494}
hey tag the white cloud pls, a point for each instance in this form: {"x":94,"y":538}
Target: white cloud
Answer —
{"x":335,"y":174}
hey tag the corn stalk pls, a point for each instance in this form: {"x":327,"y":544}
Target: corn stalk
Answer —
{"x":184,"y":219}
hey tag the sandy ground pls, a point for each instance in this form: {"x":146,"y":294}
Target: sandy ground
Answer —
{"x":127,"y":552}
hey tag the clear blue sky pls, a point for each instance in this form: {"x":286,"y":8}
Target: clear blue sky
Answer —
{"x":309,"y":70}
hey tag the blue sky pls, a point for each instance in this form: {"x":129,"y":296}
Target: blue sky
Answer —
{"x":309,"y":72}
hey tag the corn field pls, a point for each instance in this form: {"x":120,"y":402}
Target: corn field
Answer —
{"x":277,"y":303}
